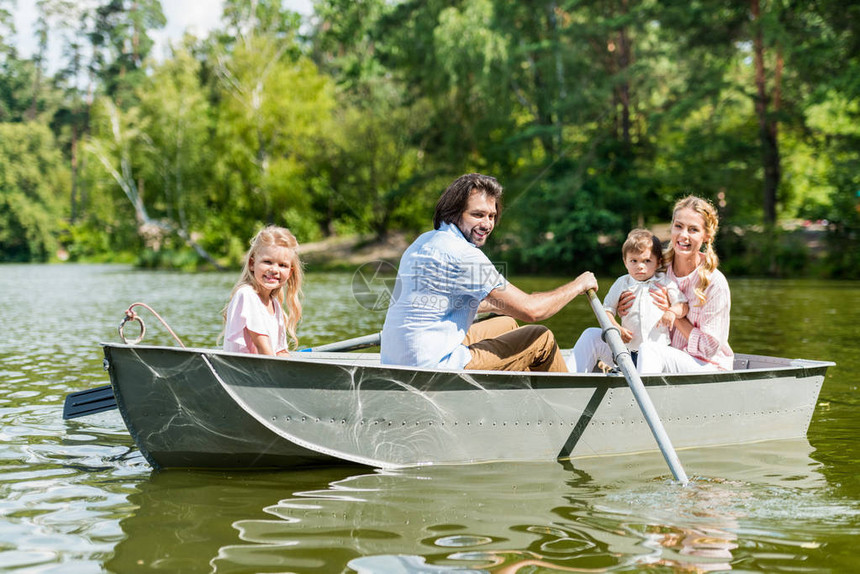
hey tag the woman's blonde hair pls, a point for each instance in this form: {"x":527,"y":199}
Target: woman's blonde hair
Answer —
{"x":290,"y":297}
{"x":712,"y":221}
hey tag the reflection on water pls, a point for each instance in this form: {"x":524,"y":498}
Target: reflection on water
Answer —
{"x":599,"y":514}
{"x":76,"y":496}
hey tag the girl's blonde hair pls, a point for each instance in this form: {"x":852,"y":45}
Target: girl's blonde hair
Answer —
{"x":709,"y":215}
{"x":290,"y":297}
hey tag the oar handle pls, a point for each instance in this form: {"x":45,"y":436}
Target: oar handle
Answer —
{"x":605,"y":325}
{"x":596,"y":306}
{"x":353,"y":344}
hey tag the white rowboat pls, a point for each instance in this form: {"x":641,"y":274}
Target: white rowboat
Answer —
{"x":209,"y":408}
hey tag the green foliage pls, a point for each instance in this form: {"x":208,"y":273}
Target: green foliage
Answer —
{"x":16,"y":80}
{"x":767,"y":253}
{"x":595,"y":117}
{"x":121,"y":43}
{"x":88,"y":242}
{"x":177,"y":159}
{"x":562,"y":223}
{"x":246,"y":18}
{"x":115,"y":144}
{"x":32,"y":178}
{"x":374,"y":163}
{"x":302,"y":223}
{"x":837,"y":179}
{"x":711,"y":153}
{"x":271,"y":110}
{"x":843,"y":257}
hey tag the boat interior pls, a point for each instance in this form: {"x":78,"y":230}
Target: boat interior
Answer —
{"x":743,"y":362}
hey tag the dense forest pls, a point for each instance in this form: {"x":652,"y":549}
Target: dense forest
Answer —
{"x":594,"y":115}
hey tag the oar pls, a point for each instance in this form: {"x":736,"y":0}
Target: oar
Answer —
{"x":89,"y":402}
{"x":100,"y":399}
{"x":353,"y":344}
{"x":625,"y":363}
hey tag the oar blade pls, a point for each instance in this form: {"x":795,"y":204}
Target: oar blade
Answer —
{"x":89,"y":402}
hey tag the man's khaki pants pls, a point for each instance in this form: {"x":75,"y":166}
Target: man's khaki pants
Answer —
{"x":497,"y":344}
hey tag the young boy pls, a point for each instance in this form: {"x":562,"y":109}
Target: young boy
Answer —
{"x":643,"y":257}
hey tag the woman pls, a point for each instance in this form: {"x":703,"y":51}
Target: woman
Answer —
{"x":700,"y":341}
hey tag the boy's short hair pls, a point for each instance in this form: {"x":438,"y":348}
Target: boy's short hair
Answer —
{"x":639,"y":240}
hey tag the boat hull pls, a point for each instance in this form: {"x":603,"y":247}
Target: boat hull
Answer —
{"x":180,"y":417}
{"x":204,"y":408}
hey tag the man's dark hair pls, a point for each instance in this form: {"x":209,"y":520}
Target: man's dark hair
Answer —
{"x":454,"y":200}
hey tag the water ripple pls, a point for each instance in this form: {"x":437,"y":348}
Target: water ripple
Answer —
{"x":77,"y":496}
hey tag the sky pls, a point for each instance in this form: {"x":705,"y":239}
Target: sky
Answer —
{"x":195,"y":16}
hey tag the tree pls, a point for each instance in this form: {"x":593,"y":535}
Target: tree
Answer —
{"x":116,"y":140}
{"x":455,"y":58}
{"x":121,"y":42}
{"x":32,"y":180}
{"x":376,"y":167}
{"x":120,"y":139}
{"x":594,"y":115}
{"x":178,"y":121}
{"x":767,"y":106}
{"x":69,"y":21}
{"x":40,"y":57}
{"x":244,"y":19}
{"x":15,"y":74}
{"x":270,"y":112}
{"x":772,"y":54}
{"x":7,"y":30}
{"x":74,"y":114}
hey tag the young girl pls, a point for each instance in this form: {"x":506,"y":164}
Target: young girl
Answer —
{"x":256,"y":321}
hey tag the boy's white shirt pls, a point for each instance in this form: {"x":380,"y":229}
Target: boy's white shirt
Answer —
{"x":644,"y":316}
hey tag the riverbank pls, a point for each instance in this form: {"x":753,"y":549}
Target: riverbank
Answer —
{"x":348,"y":252}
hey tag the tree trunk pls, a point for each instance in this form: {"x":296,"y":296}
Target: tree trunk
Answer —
{"x":544,"y":71}
{"x":150,"y":230}
{"x":768,"y":126}
{"x":559,"y":76}
{"x":74,"y":154}
{"x":623,"y":88}
{"x":39,"y":62}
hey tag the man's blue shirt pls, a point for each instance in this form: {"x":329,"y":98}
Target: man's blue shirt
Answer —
{"x":440,"y":283}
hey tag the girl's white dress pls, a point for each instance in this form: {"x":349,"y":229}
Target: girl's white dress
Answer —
{"x":246,"y":310}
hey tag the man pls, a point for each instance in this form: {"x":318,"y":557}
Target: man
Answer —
{"x":445,"y":279}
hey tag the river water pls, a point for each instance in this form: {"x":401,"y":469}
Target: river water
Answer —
{"x":77,"y":497}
